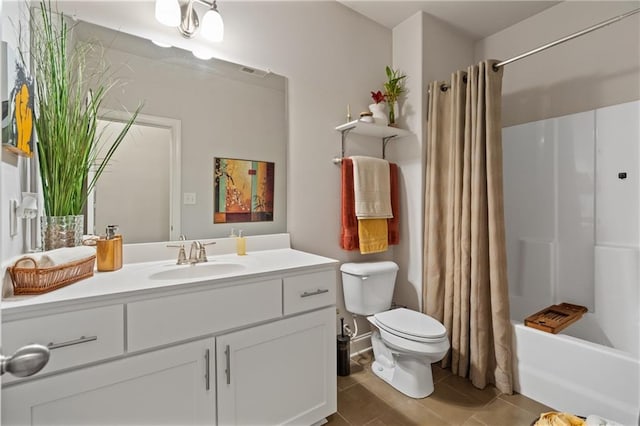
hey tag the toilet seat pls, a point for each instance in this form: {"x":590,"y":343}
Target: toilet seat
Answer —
{"x":411,"y":325}
{"x":410,"y":331}
{"x":408,"y":346}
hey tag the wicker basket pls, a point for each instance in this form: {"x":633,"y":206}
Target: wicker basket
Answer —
{"x":41,"y":280}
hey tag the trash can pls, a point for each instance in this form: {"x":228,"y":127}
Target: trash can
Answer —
{"x":343,"y":352}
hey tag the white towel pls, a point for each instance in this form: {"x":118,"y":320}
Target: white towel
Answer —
{"x":372,"y":189}
{"x":22,"y":262}
{"x":56,"y":257}
{"x":65,"y":255}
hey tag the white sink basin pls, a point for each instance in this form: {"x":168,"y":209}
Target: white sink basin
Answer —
{"x":200,"y":270}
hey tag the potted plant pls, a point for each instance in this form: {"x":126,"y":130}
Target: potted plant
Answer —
{"x":393,"y":88}
{"x":378,"y":108}
{"x":68,"y":100}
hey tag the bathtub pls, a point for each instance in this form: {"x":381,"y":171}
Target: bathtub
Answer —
{"x":575,"y":375}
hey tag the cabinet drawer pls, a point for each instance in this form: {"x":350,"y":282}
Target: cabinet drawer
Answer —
{"x":174,"y":318}
{"x":75,"y":338}
{"x":309,"y":291}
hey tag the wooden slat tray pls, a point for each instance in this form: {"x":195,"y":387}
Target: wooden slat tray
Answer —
{"x":556,"y":317}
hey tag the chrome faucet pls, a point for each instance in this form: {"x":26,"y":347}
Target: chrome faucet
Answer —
{"x":197,"y":253}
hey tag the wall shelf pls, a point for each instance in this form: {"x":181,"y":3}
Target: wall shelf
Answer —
{"x":386,"y":133}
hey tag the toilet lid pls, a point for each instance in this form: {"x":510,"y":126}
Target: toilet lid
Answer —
{"x":411,"y":323}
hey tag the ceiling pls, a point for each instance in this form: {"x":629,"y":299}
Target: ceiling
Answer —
{"x":477,"y":19}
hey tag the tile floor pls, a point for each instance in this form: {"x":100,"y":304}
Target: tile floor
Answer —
{"x":364,"y":399}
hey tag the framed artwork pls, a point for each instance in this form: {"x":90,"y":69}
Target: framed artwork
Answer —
{"x":242,"y":191}
{"x":17,"y":105}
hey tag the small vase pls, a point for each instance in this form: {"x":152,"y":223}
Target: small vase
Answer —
{"x":61,"y":231}
{"x":379,"y":114}
{"x":394,"y":112}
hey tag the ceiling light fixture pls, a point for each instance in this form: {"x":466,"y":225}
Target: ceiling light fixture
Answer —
{"x":182,"y":14}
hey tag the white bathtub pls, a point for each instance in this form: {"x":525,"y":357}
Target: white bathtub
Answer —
{"x":577,"y":376}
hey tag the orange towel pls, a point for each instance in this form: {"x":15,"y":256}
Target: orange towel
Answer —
{"x":349,"y":229}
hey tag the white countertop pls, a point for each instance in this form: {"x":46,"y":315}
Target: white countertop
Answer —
{"x":133,"y":282}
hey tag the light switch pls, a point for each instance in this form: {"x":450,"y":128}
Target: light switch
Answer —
{"x":189,"y":198}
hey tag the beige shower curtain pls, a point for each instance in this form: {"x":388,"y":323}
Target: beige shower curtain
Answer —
{"x":465,"y":273}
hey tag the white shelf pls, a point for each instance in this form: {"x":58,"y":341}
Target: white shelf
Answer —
{"x":386,"y":133}
{"x":371,"y":129}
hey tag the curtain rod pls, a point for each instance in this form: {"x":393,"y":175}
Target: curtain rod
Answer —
{"x":567,"y":38}
{"x":445,"y":87}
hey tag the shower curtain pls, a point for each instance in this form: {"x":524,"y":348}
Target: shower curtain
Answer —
{"x":465,"y":275}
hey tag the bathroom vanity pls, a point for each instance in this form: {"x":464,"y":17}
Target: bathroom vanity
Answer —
{"x":157,"y":343}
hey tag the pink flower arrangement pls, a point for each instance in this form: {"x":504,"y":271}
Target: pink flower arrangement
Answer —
{"x":378,"y":96}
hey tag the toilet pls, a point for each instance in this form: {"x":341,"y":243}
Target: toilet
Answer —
{"x":405,"y":342}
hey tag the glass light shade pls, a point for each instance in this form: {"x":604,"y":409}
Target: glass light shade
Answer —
{"x":212,"y":27}
{"x":168,"y":12}
{"x":202,"y":53}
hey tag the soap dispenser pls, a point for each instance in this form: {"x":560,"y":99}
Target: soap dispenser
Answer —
{"x":109,"y":250}
{"x":241,"y":244}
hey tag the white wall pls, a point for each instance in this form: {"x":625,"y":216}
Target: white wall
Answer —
{"x":598,"y":69}
{"x":426,"y":49}
{"x":408,"y":154}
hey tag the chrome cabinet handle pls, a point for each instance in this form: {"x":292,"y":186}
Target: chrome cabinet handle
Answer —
{"x":207,"y":371}
{"x":26,"y":361}
{"x":314,"y":293}
{"x":227,"y":353}
{"x":82,"y":339}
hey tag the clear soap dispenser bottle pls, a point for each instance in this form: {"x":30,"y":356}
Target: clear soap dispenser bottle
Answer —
{"x":241,"y":244}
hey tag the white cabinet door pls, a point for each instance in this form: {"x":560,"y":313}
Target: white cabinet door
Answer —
{"x":278,"y":373}
{"x":167,"y":386}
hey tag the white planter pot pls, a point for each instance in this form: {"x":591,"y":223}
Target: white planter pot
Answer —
{"x":379,"y":112}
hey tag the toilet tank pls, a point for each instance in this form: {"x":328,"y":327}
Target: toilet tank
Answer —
{"x":368,"y":287}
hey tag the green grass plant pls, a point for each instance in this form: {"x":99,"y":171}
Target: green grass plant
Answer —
{"x":68,"y":100}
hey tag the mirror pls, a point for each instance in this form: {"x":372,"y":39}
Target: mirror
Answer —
{"x":220,"y":110}
{"x":151,"y":140}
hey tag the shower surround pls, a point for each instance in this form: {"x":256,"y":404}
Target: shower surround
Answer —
{"x":573,"y":235}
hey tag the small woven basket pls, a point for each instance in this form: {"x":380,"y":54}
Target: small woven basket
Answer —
{"x":42,"y":280}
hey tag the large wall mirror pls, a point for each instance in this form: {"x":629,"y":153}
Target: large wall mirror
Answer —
{"x":161,"y":183}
